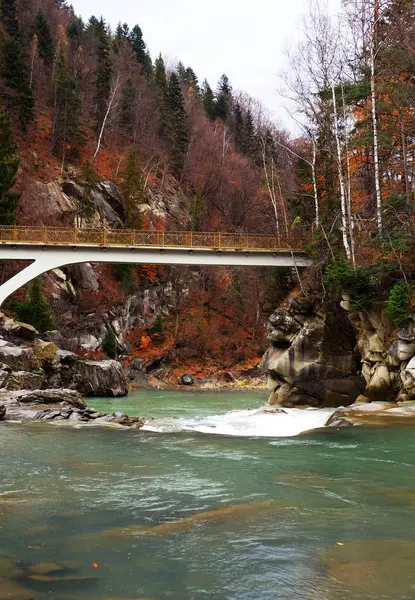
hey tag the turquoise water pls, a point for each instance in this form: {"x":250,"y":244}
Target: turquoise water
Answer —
{"x":191,"y":516}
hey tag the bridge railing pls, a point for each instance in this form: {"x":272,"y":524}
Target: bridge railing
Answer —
{"x":55,"y":236}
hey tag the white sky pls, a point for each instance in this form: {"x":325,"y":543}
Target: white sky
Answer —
{"x":243,"y":38}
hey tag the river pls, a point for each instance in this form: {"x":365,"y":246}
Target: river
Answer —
{"x":206,"y":505}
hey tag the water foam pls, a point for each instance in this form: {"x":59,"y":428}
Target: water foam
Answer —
{"x":258,"y":422}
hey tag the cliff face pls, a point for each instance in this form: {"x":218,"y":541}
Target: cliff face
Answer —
{"x":326,"y":354}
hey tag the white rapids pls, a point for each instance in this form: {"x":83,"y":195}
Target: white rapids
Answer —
{"x":258,"y":422}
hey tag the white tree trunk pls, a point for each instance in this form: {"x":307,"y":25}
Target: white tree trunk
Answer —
{"x":375,"y":134}
{"x":341,"y":178}
{"x":349,"y":183}
{"x":270,"y":186}
{"x":313,"y":171}
{"x":110,"y":106}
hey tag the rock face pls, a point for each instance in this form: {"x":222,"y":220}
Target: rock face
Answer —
{"x":313,"y":359}
{"x":330,"y":355}
{"x":102,"y":378}
{"x":46,"y":204}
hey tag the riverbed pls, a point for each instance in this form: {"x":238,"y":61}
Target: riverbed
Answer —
{"x":206,"y":504}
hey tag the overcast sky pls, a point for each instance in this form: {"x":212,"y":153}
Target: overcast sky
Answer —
{"x":243,"y":38}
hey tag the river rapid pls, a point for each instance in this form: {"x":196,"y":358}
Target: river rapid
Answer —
{"x":216,"y":500}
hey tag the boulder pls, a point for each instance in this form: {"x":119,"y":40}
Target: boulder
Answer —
{"x":316,"y":363}
{"x":402,"y":350}
{"x":46,"y":351}
{"x":102,"y":378}
{"x":17,"y":357}
{"x":70,"y":397}
{"x":87,"y":341}
{"x":21,"y":330}
{"x":66,"y":357}
{"x":408,"y":378}
{"x":383,"y":384}
{"x":24,"y":380}
{"x":46,"y":204}
{"x":187,"y":380}
{"x":2,"y":412}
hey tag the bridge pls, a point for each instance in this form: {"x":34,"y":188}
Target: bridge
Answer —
{"x":50,"y":248}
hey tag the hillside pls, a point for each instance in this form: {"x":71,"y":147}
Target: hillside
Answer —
{"x":96,"y":133}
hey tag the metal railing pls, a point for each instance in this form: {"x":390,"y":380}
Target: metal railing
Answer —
{"x":127,"y":238}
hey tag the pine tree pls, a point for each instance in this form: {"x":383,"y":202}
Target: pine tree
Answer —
{"x":223,"y":98}
{"x":191,"y":79}
{"x":160,"y":82}
{"x":86,"y":207}
{"x":249,"y":134}
{"x":181,"y":71}
{"x":160,"y":77}
{"x":44,"y":36}
{"x":128,"y":106}
{"x":9,"y":162}
{"x":133,"y":190}
{"x":67,"y":105}
{"x":103,"y":73}
{"x":15,"y":68}
{"x":239,"y":128}
{"x":177,"y":130}
{"x":208,"y":100}
{"x":34,"y":310}
{"x":109,"y":344}
{"x":139,"y":46}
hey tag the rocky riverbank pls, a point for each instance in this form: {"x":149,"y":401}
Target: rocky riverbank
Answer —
{"x":327,"y":354}
{"x":56,"y":405}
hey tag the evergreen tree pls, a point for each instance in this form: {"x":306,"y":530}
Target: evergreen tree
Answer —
{"x":15,"y":69}
{"x":239,"y":128}
{"x":177,"y":130}
{"x":139,"y":46}
{"x":223,"y":98}
{"x":75,"y":28}
{"x":133,"y":190}
{"x":128,"y":106}
{"x":44,"y":36}
{"x":9,"y":162}
{"x":191,"y":79}
{"x":103,"y":73}
{"x":160,"y":77}
{"x":160,"y":81}
{"x":67,"y":105}
{"x":249,"y":134}
{"x":181,"y":71}
{"x":34,"y":310}
{"x":208,"y":100}
{"x":109,"y":344}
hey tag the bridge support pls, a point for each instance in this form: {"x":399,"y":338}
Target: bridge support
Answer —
{"x":47,"y":258}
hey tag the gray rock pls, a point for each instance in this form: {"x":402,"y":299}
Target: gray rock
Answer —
{"x":102,"y":378}
{"x":46,"y":204}
{"x":51,"y":396}
{"x":187,"y":380}
{"x":66,"y":357}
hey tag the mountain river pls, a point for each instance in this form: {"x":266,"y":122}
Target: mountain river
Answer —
{"x":216,"y":500}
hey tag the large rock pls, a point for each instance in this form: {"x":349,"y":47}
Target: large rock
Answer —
{"x":102,"y":378}
{"x":24,"y":380}
{"x":46,"y":204}
{"x":315,"y":363}
{"x":70,"y":397}
{"x":408,"y":378}
{"x":17,"y":357}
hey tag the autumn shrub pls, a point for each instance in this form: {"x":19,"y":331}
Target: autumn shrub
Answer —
{"x":398,"y":305}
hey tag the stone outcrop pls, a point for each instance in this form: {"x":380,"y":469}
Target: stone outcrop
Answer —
{"x":330,"y":355}
{"x":102,"y":378}
{"x":46,"y":204}
{"x":313,"y":359}
{"x":56,"y":405}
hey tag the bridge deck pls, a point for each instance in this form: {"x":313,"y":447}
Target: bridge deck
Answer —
{"x":124,"y":238}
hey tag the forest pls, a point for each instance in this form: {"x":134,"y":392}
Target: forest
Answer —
{"x":81,"y":101}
